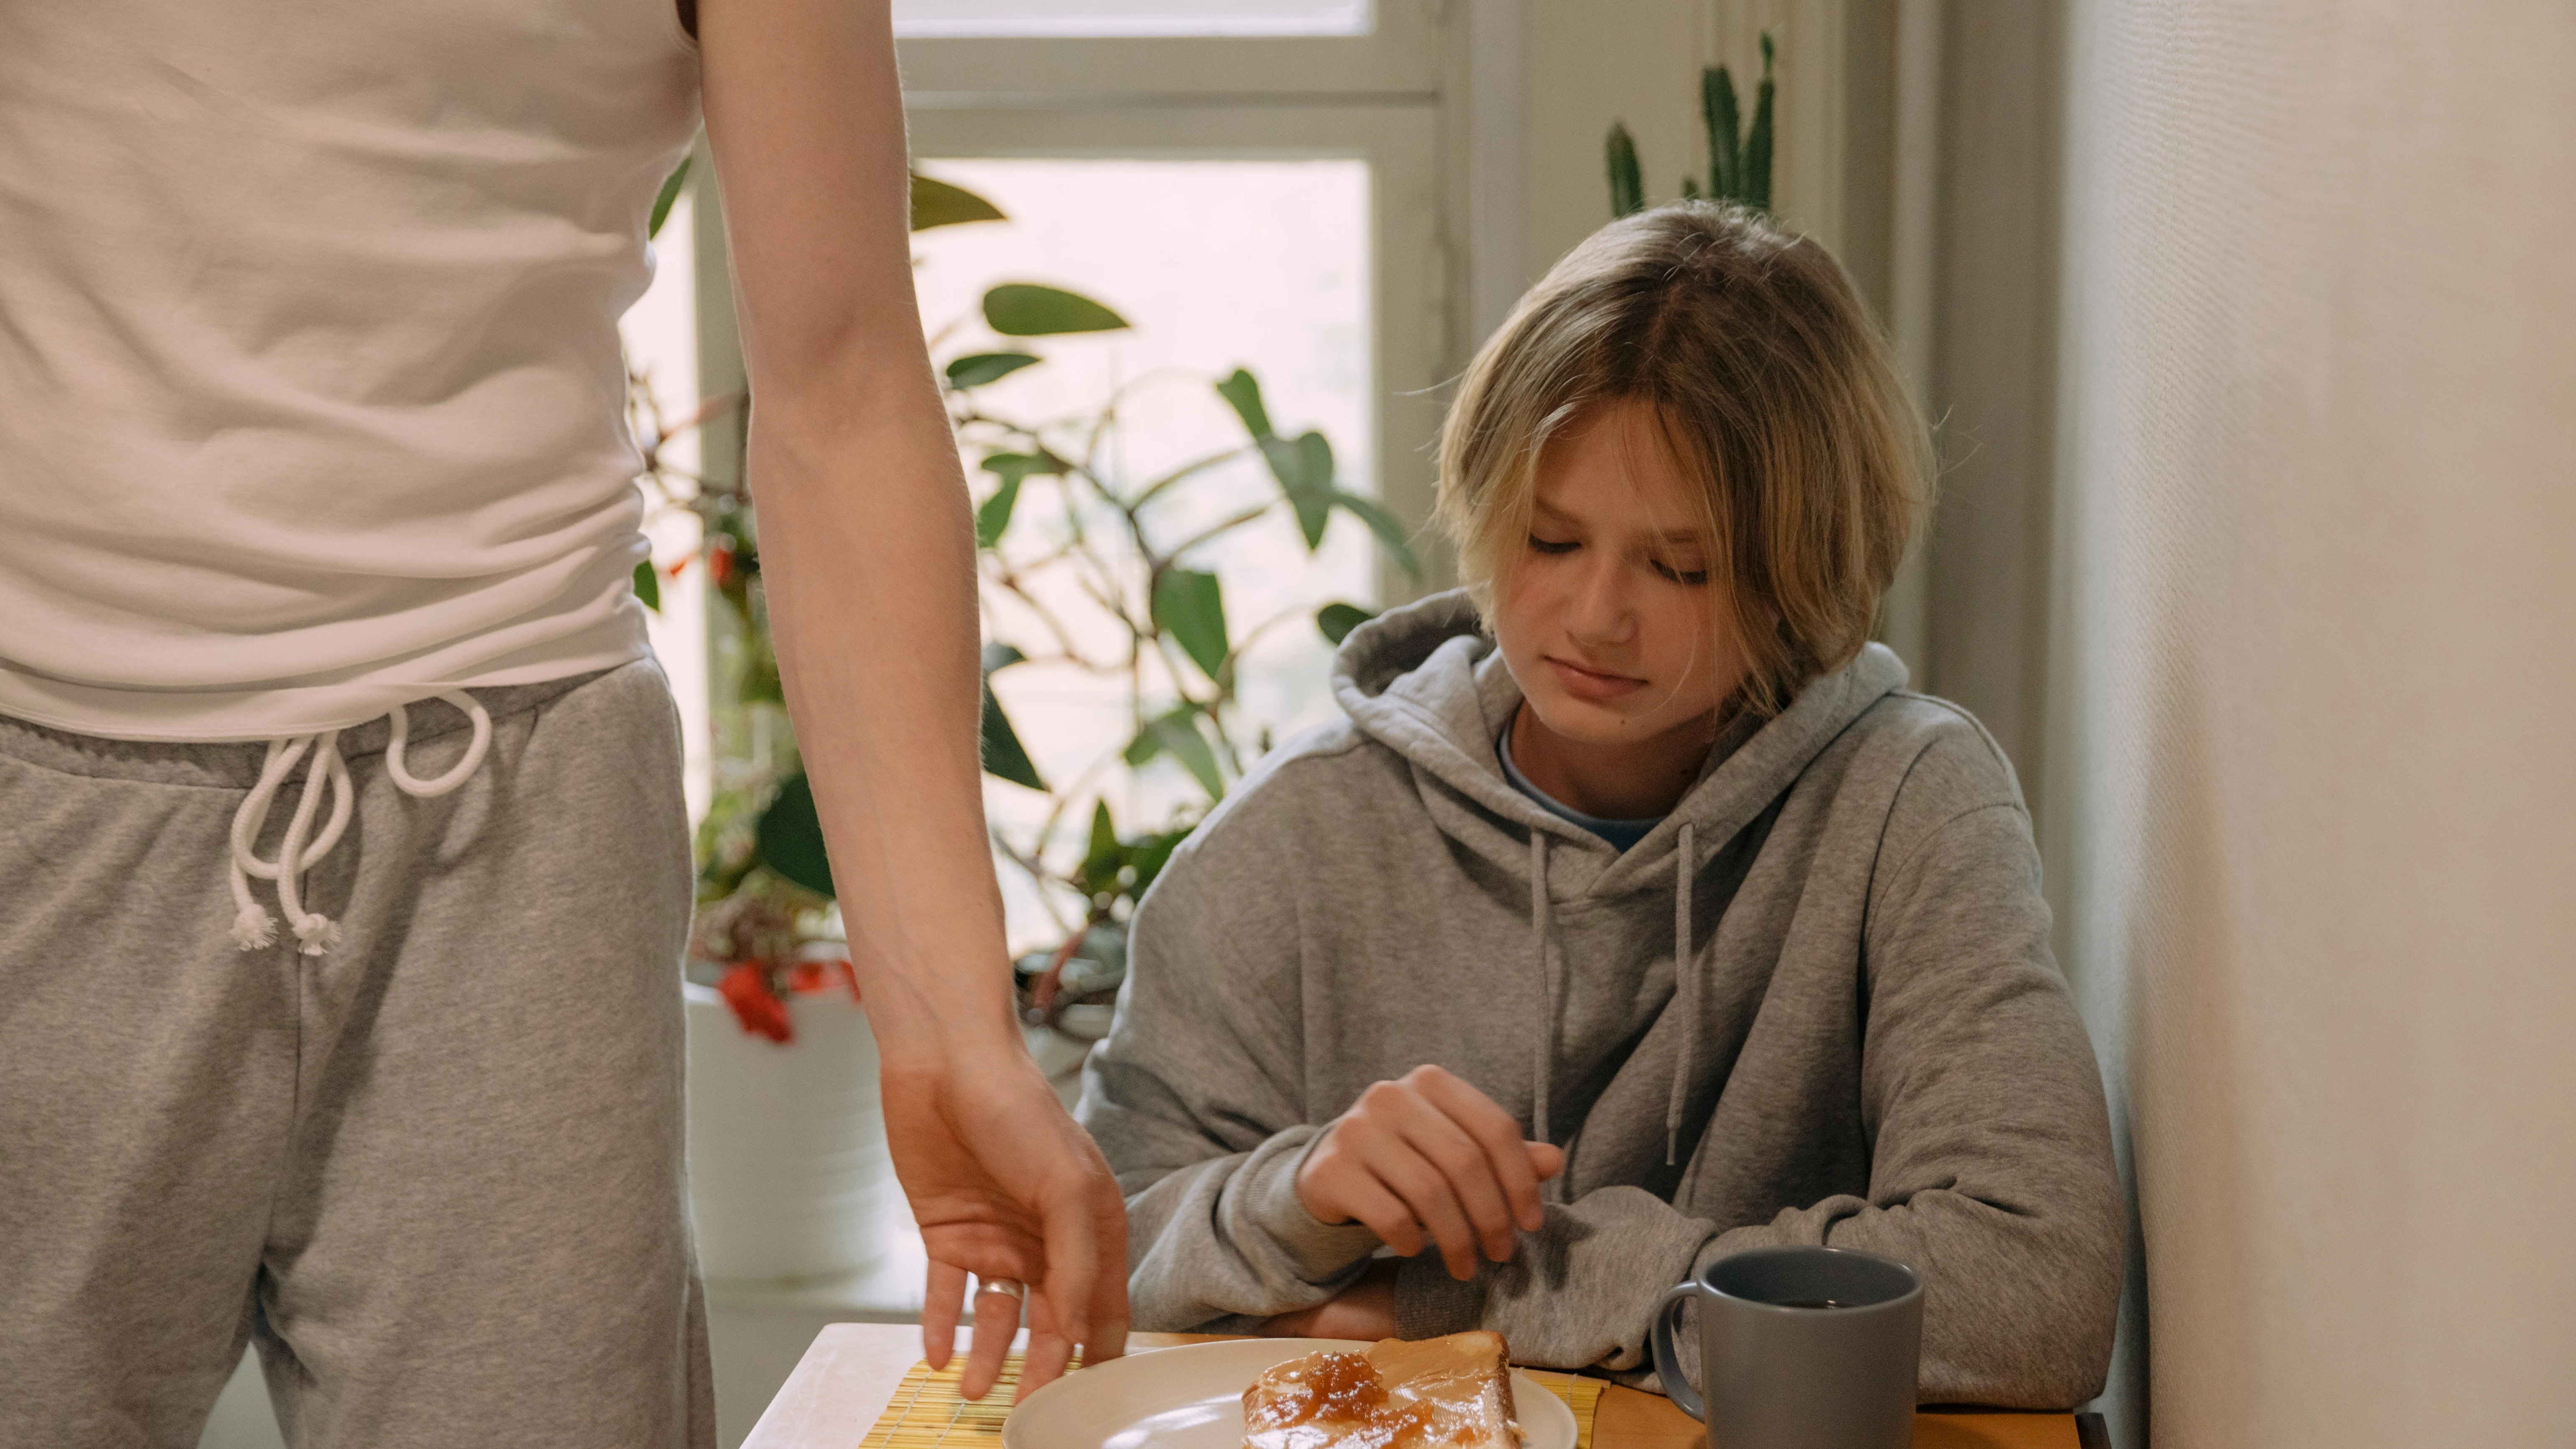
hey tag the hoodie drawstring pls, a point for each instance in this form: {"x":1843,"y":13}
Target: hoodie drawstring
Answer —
{"x":1686,"y":988}
{"x":1540,"y":929}
{"x":253,"y":927}
{"x":1685,"y":992}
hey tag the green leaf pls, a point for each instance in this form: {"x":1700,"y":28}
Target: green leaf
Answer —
{"x":1177,"y":734}
{"x":936,"y":203}
{"x":791,"y":837}
{"x":1243,"y":392}
{"x":760,"y":680}
{"x":1338,"y":620}
{"x":1304,"y":468}
{"x":1100,"y":863}
{"x":1104,"y":832}
{"x":1190,"y":606}
{"x":1757,"y":141}
{"x":1390,"y":533}
{"x":1627,"y":186}
{"x":1005,"y":758}
{"x":993,"y":517}
{"x":978,"y":368}
{"x":1718,"y":113}
{"x":1021,"y":465}
{"x":648,"y":586}
{"x":1315,"y":460}
{"x":994,"y":514}
{"x":1025,"y":309}
{"x":1147,"y":857}
{"x":670,"y":194}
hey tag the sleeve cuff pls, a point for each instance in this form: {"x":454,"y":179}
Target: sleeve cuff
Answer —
{"x":1430,"y":1303}
{"x":1317,"y":1252}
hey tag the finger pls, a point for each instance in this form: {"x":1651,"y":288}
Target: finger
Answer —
{"x":1072,"y":1231}
{"x":1498,"y":1133}
{"x":941,"y":1296}
{"x":1043,"y":1362}
{"x":1426,"y":1191}
{"x":1109,"y":1318}
{"x":997,"y":1321}
{"x":1376,"y":1207}
{"x":1545,"y":1160}
{"x":1461,"y":1160}
{"x":1048,"y":1353}
{"x":1361,"y":1190}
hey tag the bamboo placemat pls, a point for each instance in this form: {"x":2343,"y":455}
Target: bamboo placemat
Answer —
{"x":927,"y":1412}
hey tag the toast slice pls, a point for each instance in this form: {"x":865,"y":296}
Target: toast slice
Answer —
{"x":1440,"y":1393}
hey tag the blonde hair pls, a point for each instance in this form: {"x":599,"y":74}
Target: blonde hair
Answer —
{"x":1771,"y":383}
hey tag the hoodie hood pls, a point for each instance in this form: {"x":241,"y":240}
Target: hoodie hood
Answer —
{"x":1426,"y":681}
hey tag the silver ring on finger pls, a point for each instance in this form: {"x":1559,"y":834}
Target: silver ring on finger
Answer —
{"x":1006,"y":1287}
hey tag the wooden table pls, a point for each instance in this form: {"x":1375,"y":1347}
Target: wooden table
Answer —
{"x":850,"y":1374}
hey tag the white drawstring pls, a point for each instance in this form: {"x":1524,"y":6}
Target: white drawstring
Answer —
{"x":1685,"y":991}
{"x":315,"y":933}
{"x":418,"y":788}
{"x":1539,"y":931}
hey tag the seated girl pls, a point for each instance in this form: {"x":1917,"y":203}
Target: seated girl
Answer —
{"x":1404,"y":1048}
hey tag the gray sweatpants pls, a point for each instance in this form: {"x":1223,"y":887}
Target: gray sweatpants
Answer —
{"x":435,"y":1175}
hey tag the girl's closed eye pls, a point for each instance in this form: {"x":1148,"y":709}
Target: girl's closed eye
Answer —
{"x":1676,"y":574}
{"x":1551,"y":545}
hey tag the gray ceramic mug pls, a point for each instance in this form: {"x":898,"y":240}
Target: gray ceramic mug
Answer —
{"x":1786,"y":1371}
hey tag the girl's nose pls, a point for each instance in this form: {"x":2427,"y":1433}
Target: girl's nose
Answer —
{"x":1599,"y":613}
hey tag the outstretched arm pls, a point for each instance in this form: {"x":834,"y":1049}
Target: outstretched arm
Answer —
{"x":868,"y":557}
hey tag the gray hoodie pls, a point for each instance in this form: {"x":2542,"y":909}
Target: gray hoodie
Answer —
{"x":1871,"y":1047}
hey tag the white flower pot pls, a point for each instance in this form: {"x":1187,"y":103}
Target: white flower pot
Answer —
{"x":788,"y":1172}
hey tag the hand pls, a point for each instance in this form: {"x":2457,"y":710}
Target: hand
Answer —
{"x":1365,"y":1310}
{"x":1428,"y":1151}
{"x":1006,"y":1187}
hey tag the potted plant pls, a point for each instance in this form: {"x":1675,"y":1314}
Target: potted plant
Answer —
{"x":1051,"y":505}
{"x":1739,"y":158}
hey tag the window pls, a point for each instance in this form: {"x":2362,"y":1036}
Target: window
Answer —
{"x":1251,"y":182}
{"x":661,"y":333}
{"x":1216,"y":264}
{"x":1254,"y":182}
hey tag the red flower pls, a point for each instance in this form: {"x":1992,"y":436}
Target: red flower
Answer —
{"x":746,"y":990}
{"x":720,"y":565}
{"x":816,"y":975}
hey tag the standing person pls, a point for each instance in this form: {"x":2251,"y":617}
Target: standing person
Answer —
{"x":343,"y":863}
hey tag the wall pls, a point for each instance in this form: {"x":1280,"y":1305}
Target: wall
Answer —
{"x":1992,"y":384}
{"x":1584,"y":64}
{"x":2311,"y":698}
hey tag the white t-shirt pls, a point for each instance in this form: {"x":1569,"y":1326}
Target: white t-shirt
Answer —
{"x":311,"y":399}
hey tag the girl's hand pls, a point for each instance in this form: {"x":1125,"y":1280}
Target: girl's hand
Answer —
{"x":1429,"y":1152}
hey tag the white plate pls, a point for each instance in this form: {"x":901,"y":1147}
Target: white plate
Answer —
{"x":1192,"y":1398}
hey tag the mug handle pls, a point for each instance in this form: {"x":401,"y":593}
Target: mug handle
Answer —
{"x":1668,"y":1358}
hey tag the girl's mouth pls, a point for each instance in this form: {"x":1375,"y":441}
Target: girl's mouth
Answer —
{"x":1596,"y":685}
